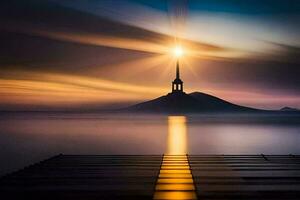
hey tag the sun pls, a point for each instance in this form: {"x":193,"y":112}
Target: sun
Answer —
{"x":178,"y":51}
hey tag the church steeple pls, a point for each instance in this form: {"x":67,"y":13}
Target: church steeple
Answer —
{"x":177,"y":70}
{"x":177,"y":84}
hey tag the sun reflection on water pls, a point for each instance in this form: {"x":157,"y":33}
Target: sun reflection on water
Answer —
{"x":177,"y":136}
{"x":175,"y":180}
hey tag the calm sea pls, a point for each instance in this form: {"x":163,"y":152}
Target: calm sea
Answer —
{"x":29,"y":137}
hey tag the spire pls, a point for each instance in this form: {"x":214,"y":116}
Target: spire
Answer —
{"x":177,"y":84}
{"x":177,"y":70}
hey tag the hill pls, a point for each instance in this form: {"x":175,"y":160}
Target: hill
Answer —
{"x":196,"y":102}
{"x":289,"y":109}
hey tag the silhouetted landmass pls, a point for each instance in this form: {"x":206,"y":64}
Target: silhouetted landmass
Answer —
{"x":196,"y":102}
{"x":289,"y":109}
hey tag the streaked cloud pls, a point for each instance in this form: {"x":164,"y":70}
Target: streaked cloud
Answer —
{"x":96,"y":52}
{"x":57,"y":90}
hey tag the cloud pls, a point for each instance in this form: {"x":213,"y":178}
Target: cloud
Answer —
{"x":68,"y":25}
{"x":55,"y":55}
{"x":57,"y":90}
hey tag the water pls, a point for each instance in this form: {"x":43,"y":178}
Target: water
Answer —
{"x":26,"y":138}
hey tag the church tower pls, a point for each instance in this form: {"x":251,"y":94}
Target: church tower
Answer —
{"x":177,"y":84}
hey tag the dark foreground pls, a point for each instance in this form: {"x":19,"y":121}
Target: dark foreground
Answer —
{"x":160,"y":177}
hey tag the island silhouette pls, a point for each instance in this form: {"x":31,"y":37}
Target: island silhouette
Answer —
{"x":177,"y":101}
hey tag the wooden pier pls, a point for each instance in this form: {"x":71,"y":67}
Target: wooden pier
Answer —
{"x":156,"y":176}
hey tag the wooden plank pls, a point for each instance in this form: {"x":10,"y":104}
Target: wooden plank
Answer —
{"x":246,"y":177}
{"x":85,"y":177}
{"x":138,"y":177}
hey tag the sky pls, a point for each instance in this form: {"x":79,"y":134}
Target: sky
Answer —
{"x":97,"y":54}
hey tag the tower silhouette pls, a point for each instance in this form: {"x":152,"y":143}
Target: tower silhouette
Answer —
{"x":177,"y":84}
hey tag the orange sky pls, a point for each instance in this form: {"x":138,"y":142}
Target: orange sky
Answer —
{"x":80,"y":55}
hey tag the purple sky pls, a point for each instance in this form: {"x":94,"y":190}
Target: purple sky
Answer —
{"x":98,"y":54}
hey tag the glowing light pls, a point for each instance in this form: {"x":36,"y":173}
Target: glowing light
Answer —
{"x":177,"y":138}
{"x":175,"y":180}
{"x":178,"y":51}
